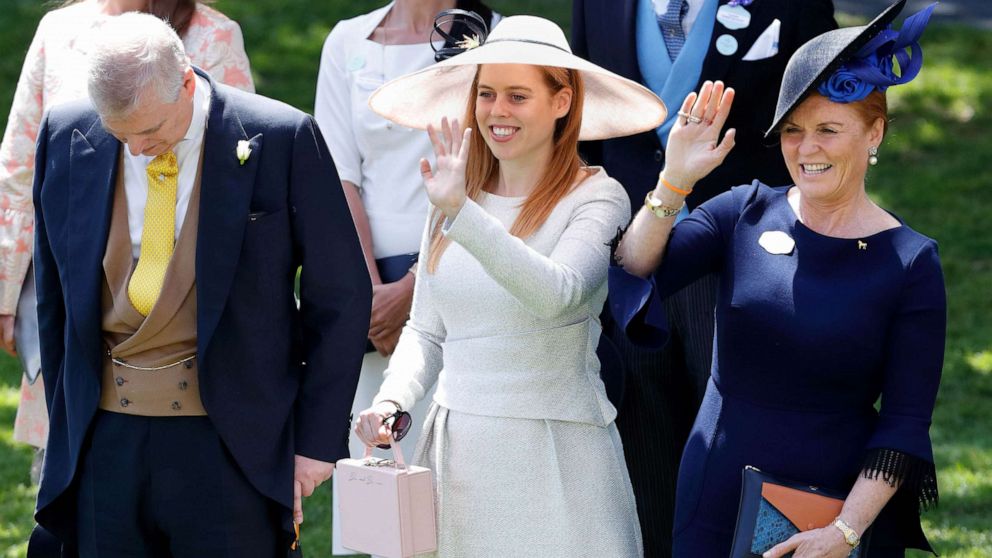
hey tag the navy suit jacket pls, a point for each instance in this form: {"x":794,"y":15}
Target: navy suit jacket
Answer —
{"x":604,"y":32}
{"x":276,"y":380}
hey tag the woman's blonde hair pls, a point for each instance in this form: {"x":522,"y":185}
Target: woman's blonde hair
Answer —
{"x":482,"y":168}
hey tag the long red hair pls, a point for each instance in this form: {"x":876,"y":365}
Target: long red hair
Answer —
{"x":482,"y":168}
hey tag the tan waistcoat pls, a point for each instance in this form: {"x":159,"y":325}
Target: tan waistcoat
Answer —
{"x":150,"y":364}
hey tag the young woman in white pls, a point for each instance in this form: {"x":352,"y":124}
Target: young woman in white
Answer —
{"x":511,"y":281}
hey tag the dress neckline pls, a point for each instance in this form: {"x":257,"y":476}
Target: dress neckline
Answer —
{"x":496,"y":200}
{"x":597,"y":173}
{"x":802,"y":226}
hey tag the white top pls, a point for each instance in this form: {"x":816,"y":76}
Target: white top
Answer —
{"x":379,"y":157}
{"x":509,"y":327}
{"x":695,"y":6}
{"x":188,"y":158}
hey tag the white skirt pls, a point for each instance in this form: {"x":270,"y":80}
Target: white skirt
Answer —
{"x":509,"y":487}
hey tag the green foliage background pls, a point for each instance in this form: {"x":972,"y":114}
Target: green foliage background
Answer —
{"x":934,"y":173}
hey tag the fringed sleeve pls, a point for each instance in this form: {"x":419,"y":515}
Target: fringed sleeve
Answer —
{"x":911,"y":474}
{"x":900,"y":451}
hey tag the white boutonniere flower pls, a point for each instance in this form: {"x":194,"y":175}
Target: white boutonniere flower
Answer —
{"x":243,"y":151}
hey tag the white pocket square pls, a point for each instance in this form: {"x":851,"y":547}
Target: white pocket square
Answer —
{"x":767,"y":44}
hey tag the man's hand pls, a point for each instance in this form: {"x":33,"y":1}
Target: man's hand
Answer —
{"x":7,"y":334}
{"x":390,"y":310}
{"x":307,"y":476}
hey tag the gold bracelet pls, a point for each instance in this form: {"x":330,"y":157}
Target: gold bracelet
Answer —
{"x":654,"y":205}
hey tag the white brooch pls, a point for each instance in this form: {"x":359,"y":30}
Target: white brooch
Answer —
{"x":243,"y":151}
{"x":776,"y":242}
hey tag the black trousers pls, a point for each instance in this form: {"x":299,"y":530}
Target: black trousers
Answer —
{"x":662,"y":393}
{"x":162,"y":487}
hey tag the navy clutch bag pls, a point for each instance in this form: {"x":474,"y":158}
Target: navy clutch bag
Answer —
{"x":772,"y":510}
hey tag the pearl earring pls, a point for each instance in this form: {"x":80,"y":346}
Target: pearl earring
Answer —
{"x":873,"y":155}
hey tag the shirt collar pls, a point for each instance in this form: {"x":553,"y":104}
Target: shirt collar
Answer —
{"x":661,"y":6}
{"x":201,"y":107}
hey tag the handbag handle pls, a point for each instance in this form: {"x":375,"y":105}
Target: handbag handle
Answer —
{"x":397,"y":452}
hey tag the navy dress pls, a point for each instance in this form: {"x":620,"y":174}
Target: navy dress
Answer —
{"x":806,"y":343}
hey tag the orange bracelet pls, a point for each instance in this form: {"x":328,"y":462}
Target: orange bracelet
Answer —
{"x":674,"y":189}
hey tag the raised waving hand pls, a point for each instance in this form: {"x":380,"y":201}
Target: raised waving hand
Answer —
{"x":446,"y":184}
{"x":694,"y":147}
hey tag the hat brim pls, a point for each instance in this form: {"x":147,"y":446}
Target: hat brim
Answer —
{"x":819,"y":57}
{"x":613,"y":106}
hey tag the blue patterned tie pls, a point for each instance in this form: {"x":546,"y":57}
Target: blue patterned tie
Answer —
{"x":671,"y":26}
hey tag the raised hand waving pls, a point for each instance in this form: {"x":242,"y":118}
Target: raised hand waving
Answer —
{"x":446,"y":184}
{"x":693,"y":150}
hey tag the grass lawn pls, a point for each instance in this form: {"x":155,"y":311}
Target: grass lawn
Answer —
{"x":934,"y":173}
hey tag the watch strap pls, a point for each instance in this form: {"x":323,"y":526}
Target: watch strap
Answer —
{"x":851,"y":536}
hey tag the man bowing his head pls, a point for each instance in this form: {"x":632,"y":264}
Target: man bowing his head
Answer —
{"x":193,"y":402}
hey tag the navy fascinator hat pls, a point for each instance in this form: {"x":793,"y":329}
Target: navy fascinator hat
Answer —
{"x":845,"y":65}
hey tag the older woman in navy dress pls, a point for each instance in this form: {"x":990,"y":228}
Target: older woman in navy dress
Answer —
{"x":827,"y":303}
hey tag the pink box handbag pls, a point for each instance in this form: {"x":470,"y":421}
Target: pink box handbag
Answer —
{"x":386,"y":506}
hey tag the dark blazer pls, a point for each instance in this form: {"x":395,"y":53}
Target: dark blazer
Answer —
{"x":275,"y":380}
{"x":604,"y":32}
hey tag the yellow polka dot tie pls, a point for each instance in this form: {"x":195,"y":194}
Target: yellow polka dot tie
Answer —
{"x":158,"y":235}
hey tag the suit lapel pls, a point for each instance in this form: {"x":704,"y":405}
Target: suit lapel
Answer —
{"x":92,"y":172}
{"x":225,"y":197}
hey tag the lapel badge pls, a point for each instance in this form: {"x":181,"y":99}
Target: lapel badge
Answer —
{"x":243,"y":151}
{"x":777,"y":242}
{"x":726,"y":44}
{"x":862,"y":245}
{"x":733,"y":16}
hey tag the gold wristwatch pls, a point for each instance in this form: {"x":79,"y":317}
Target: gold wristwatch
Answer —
{"x":655,"y":206}
{"x":850,"y":535}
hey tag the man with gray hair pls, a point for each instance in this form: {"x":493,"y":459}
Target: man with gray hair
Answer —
{"x":193,"y":403}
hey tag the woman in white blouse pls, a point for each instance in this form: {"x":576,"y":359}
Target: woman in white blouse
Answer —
{"x":377,"y":163}
{"x":511,"y":282}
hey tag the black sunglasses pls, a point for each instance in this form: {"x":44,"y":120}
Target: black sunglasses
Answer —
{"x":400,"y":425}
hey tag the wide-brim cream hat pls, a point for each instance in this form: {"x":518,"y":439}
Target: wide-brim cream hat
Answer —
{"x":614,"y":106}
